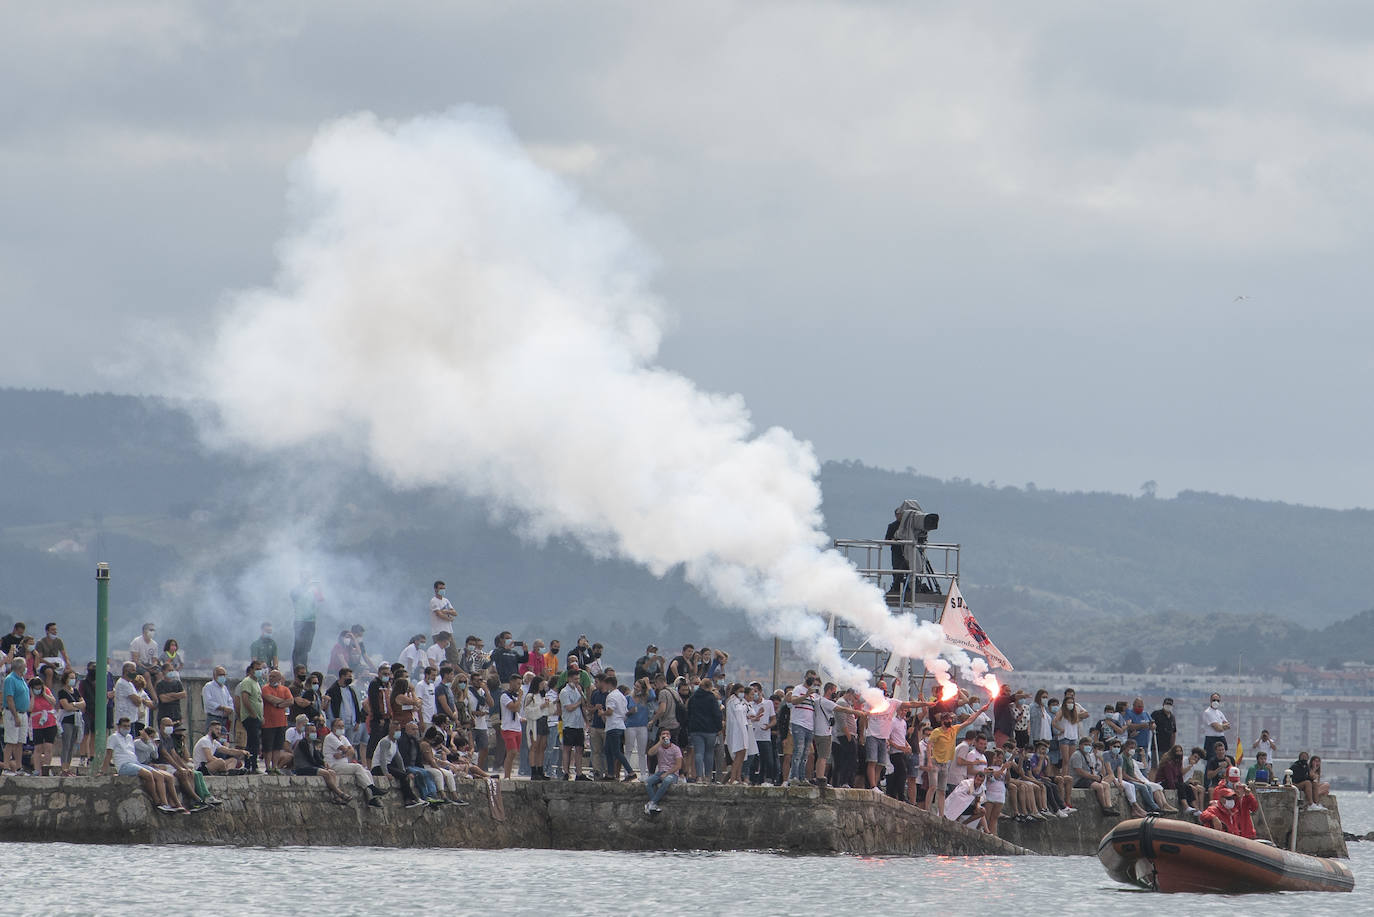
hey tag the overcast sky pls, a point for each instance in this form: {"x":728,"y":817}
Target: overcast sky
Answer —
{"x":1003,"y":242}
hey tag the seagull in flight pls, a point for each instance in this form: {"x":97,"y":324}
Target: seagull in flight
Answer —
{"x":1239,"y":298}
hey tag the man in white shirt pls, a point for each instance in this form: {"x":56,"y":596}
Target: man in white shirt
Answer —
{"x":413,"y":656}
{"x":761,"y":723}
{"x":424,"y":690}
{"x":1214,"y":725}
{"x":341,"y":758}
{"x":218,"y":700}
{"x":442,"y":650}
{"x":297,"y":731}
{"x":963,"y":801}
{"x":970,"y":757}
{"x":122,"y":754}
{"x":441,"y":622}
{"x":212,"y":756}
{"x":143,"y":652}
{"x":570,"y":708}
{"x":127,"y":700}
{"x":511,"y":701}
{"x":615,"y":707}
{"x":802,"y":702}
{"x":823,"y":716}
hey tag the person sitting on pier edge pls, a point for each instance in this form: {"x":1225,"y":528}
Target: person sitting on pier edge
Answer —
{"x":669,"y":764}
{"x":962,"y":803}
{"x":211,"y":756}
{"x":386,"y":761}
{"x":147,"y":751}
{"x":169,"y":757}
{"x":124,"y":756}
{"x":342,"y":759}
{"x":1088,"y":774}
{"x":1302,"y":779}
{"x":308,"y":761}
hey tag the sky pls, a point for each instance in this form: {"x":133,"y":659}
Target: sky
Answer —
{"x":1077,"y":244}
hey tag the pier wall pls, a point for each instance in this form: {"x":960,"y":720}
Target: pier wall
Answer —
{"x":277,"y":811}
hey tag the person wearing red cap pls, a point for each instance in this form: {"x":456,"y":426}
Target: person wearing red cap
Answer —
{"x":1231,"y":780}
{"x":1221,"y":814}
{"x":1246,"y":803}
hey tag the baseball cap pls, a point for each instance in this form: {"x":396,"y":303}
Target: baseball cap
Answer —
{"x":1233,"y":774}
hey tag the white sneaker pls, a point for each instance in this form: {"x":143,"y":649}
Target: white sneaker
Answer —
{"x":1316,"y":807}
{"x":653,"y":807}
{"x":1063,"y":813}
{"x":648,"y":808}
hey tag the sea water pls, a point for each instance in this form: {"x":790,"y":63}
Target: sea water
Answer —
{"x":72,"y":879}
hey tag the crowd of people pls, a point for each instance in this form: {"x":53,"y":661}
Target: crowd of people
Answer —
{"x":442,"y":713}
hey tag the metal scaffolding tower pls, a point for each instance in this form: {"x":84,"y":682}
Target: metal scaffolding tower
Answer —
{"x":916,"y":582}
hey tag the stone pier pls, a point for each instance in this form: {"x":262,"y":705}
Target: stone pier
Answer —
{"x":275,"y":811}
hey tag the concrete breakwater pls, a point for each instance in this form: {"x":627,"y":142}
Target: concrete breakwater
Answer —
{"x":274,"y":811}
{"x":289,"y":810}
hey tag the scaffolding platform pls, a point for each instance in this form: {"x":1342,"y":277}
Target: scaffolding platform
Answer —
{"x":920,"y":591}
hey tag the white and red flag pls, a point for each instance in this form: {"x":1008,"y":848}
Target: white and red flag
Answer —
{"x":963,"y":630}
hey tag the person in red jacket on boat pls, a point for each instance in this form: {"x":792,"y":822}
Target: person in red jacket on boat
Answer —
{"x":1246,"y":803}
{"x":1231,"y":812}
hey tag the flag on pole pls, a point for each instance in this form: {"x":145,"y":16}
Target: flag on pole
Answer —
{"x":963,"y":630}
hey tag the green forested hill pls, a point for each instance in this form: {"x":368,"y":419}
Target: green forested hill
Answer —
{"x":1054,"y":576}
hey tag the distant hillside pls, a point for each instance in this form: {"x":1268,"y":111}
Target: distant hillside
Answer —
{"x":1054,"y":576}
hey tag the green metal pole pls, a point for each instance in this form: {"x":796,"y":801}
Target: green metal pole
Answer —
{"x":102,"y":668}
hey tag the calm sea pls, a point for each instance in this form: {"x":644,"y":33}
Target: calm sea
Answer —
{"x":77,"y":880}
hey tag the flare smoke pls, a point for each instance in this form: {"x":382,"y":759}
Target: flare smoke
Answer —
{"x":458,"y":317}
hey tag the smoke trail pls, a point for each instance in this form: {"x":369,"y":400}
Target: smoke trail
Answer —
{"x":458,"y":317}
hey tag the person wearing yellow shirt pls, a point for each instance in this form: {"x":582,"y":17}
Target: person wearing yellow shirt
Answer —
{"x":943,"y":738}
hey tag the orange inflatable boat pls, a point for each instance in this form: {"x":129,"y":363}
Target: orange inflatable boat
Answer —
{"x":1179,"y":856}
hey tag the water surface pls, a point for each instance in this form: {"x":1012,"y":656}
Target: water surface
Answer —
{"x":67,"y":879}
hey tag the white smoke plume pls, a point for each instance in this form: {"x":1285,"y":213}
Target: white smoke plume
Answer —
{"x":458,"y":317}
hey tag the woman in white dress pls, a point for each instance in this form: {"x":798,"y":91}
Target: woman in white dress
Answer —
{"x":739,"y":738}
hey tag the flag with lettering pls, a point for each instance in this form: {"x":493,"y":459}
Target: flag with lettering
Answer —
{"x":963,"y":630}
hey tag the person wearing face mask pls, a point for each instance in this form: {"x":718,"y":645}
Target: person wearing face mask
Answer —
{"x":249,"y":697}
{"x":148,"y":747}
{"x":170,"y":756}
{"x":1066,"y":728}
{"x":143,"y":652}
{"x":170,"y":694}
{"x":264,"y":649}
{"x":1166,"y":727}
{"x":1140,"y":728}
{"x":387,"y":760}
{"x":412,"y":655}
{"x":339,"y":755}
{"x":341,"y":703}
{"x":218,"y":700}
{"x":378,"y":708}
{"x":52,"y":650}
{"x":1214,"y":725}
{"x":42,"y":723}
{"x":212,"y":756}
{"x":442,"y":614}
{"x":276,"y":701}
{"x":122,"y":754}
{"x":72,"y":707}
{"x":1222,"y":813}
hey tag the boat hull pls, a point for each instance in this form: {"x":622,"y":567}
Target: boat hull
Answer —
{"x":1179,"y":856}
